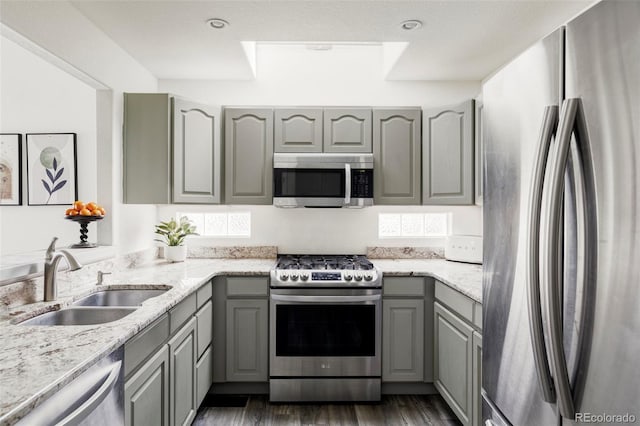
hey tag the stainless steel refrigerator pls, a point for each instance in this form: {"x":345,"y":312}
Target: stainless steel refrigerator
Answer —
{"x":561,"y":286}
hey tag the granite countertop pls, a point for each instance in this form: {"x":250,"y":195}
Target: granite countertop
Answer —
{"x":464,"y":277}
{"x":36,"y":361}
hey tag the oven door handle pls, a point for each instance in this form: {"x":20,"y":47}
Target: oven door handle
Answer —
{"x":326,"y":299}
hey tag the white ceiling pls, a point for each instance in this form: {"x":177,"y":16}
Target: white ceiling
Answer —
{"x":460,"y":40}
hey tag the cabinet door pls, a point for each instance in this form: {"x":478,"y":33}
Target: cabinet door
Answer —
{"x":146,"y":148}
{"x":182,"y":361}
{"x":196,"y":154}
{"x":146,"y":393}
{"x":402,"y":340}
{"x":298,"y":130}
{"x":248,"y":135}
{"x":204,"y":372}
{"x":204,"y":326}
{"x":347,"y":130}
{"x":477,"y":379}
{"x":447,"y":156}
{"x":396,"y":147}
{"x":453,"y":361}
{"x":247,"y":329}
{"x":478,"y":152}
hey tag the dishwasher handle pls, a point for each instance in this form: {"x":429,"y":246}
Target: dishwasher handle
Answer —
{"x":93,"y":400}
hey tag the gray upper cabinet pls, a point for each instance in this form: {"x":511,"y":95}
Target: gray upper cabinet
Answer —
{"x":447,"y":156}
{"x":396,"y":148}
{"x":479,"y":151}
{"x":248,"y":135}
{"x":147,"y":148}
{"x":347,"y":130}
{"x":196,"y":155}
{"x":298,"y":130}
{"x":170,"y":151}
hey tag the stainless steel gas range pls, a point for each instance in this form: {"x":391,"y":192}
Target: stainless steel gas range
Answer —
{"x":325,"y":323}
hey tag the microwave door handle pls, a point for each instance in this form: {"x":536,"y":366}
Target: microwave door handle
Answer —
{"x":347,"y":184}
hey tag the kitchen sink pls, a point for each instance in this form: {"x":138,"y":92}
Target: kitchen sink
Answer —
{"x":80,"y":316}
{"x":125,"y":297}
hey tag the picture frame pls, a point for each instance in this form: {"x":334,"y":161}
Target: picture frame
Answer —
{"x":52,"y":178}
{"x":10,"y":169}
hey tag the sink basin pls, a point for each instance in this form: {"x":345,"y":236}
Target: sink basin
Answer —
{"x":80,"y":316}
{"x":118,"y":297}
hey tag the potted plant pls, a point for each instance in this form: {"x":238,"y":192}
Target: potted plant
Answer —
{"x":173,"y":234}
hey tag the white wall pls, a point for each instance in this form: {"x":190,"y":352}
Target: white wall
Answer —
{"x":291,"y":75}
{"x":63,"y":35}
{"x":37,"y":97}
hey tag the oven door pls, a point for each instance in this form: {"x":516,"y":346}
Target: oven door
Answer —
{"x":314,"y":334}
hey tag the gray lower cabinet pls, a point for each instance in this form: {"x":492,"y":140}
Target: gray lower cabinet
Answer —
{"x":171,"y":154}
{"x":248,"y":145}
{"x":247,"y":340}
{"x":396,"y":149}
{"x":347,"y":130}
{"x":477,"y":379}
{"x":453,"y":361}
{"x":447,"y":156}
{"x":182,"y":378}
{"x":297,"y":130}
{"x":402,"y":340}
{"x":146,"y":393}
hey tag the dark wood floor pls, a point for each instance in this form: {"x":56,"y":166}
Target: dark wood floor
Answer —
{"x":393,"y":410}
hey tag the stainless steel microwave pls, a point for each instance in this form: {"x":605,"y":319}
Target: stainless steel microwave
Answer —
{"x":322,"y":180}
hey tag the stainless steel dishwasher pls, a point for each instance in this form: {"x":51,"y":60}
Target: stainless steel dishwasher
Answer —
{"x":94,"y":398}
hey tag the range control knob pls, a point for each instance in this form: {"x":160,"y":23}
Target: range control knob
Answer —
{"x":294,"y":276}
{"x":358,"y":276}
{"x":368,"y":276}
{"x":284,"y":276}
{"x":304,"y":276}
{"x":347,"y":276}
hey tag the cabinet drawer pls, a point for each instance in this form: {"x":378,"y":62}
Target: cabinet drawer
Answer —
{"x":403,"y":286}
{"x":204,"y":326}
{"x":247,"y":286}
{"x":204,"y":376}
{"x":182,"y":312}
{"x":143,"y":344}
{"x":461,"y":304}
{"x":477,"y":315}
{"x":203,"y":294}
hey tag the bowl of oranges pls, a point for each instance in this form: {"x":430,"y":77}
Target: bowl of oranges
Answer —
{"x":84,"y":214}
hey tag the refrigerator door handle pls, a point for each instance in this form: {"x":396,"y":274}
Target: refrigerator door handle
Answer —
{"x":571,"y":121}
{"x":547,"y":132}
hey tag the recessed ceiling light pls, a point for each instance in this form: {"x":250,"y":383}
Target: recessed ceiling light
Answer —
{"x":217,"y":23}
{"x":411,"y":24}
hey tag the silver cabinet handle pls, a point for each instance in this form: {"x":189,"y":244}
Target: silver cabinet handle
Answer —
{"x":347,"y":184}
{"x":571,"y":121}
{"x":548,"y":130}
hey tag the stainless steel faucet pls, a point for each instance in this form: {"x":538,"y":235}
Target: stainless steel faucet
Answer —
{"x":51,"y":261}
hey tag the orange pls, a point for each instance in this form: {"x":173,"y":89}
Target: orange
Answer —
{"x":92,"y":206}
{"x":96,"y":212}
{"x":68,"y":211}
{"x":78,"y":205}
{"x":102,"y":211}
{"x":85,"y":212}
{"x":73,"y":212}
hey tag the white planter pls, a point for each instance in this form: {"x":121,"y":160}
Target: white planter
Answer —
{"x":175,"y":253}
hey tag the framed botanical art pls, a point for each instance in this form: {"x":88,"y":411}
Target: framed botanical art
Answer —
{"x":51,"y":169}
{"x":10,"y":169}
